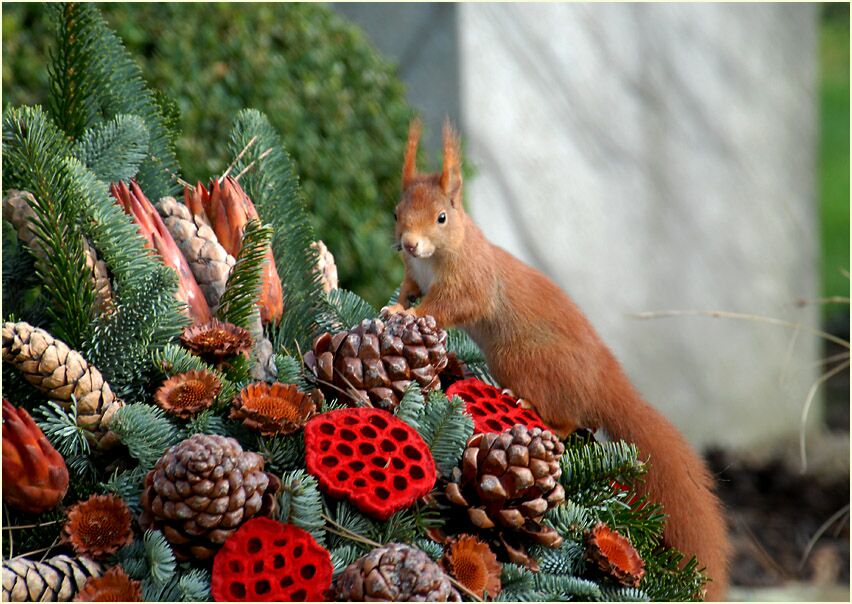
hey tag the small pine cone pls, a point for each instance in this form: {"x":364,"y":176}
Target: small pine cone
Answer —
{"x":510,"y":480}
{"x":201,"y":490}
{"x":395,"y":573}
{"x":57,"y":579}
{"x":208,"y":260}
{"x":52,"y":367}
{"x":17,"y":209}
{"x":326,"y":268}
{"x":376,"y":361}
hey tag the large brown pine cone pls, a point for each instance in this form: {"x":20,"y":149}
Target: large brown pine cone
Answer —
{"x":52,"y":367}
{"x":510,"y":480}
{"x":395,"y":573}
{"x":376,"y":361}
{"x":201,"y":490}
{"x":57,"y":579}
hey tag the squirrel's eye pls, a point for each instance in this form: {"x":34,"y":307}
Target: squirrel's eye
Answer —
{"x":442,"y":218}
{"x":394,"y":216}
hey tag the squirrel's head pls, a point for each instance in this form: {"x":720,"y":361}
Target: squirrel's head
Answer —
{"x":429,"y":217}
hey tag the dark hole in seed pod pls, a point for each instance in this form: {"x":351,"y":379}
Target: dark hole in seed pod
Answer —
{"x":387,"y":446}
{"x":477,"y":411}
{"x":507,"y":419}
{"x":366,"y":448}
{"x":286,"y":582}
{"x":342,"y":475}
{"x":349,"y":420}
{"x":238,"y":590}
{"x":347,"y":434}
{"x":235,"y":566}
{"x":397,"y":463}
{"x":344,"y":449}
{"x":379,"y":462}
{"x":327,"y":428}
{"x":382,"y":493}
{"x":493,"y":424}
{"x":399,"y":434}
{"x":330,"y":462}
{"x":279,"y":542}
{"x":377,"y":476}
{"x":489,"y":407}
{"x":356,"y":466}
{"x":258,"y":567}
{"x":412,"y":453}
{"x":262,"y":587}
{"x":369,"y":432}
{"x":308,"y":571}
{"x":298,"y":596}
{"x":278,"y":561}
{"x":378,"y":422}
{"x":325,"y":445}
{"x":416,"y":472}
{"x":254,"y":545}
{"x":298,"y":551}
{"x":399,"y":483}
{"x":360,"y":483}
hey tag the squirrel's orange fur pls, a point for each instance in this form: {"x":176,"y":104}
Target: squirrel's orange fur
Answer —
{"x":539,"y":344}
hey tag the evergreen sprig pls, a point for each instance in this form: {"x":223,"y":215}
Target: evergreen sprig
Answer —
{"x":411,"y":405}
{"x":127,"y":484}
{"x":115,"y":149}
{"x":291,"y":371}
{"x":300,"y":503}
{"x":446,"y":427}
{"x":145,"y":431}
{"x":283,"y":453}
{"x":243,"y":287}
{"x":61,"y":429}
{"x":468,"y":352}
{"x":343,"y":310}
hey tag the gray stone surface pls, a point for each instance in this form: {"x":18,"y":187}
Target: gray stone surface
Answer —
{"x":651,"y":157}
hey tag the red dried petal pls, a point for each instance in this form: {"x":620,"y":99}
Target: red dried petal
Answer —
{"x":269,"y":561}
{"x":370,"y":457}
{"x":491,"y":409}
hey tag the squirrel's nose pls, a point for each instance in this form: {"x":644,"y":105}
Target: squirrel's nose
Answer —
{"x":412,"y":248}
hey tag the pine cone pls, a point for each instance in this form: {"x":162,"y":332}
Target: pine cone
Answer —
{"x":208,"y":260}
{"x":377,"y":360}
{"x":57,"y":579}
{"x":52,"y":367}
{"x":510,"y":480}
{"x":395,"y":573}
{"x":36,"y":477}
{"x":17,"y":209}
{"x":326,"y":268}
{"x":201,"y":490}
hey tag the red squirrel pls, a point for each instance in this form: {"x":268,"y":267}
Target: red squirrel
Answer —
{"x":540,"y":345}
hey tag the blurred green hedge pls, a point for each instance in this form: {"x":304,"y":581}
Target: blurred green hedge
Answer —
{"x":337,"y":103}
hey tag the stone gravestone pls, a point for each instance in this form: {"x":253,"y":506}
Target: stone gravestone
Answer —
{"x":647,"y":158}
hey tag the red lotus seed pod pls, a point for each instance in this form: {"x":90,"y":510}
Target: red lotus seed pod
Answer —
{"x":493,"y":410}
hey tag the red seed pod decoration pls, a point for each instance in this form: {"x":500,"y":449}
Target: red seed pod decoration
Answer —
{"x":370,"y":457}
{"x":269,"y":561}
{"x":492,"y":409}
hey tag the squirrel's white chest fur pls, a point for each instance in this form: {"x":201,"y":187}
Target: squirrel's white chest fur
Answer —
{"x":423,"y":272}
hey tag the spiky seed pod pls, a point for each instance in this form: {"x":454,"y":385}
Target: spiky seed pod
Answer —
{"x":376,"y":361}
{"x":57,"y":579}
{"x":510,"y":480}
{"x":52,"y":367}
{"x":35,"y":474}
{"x":395,"y":573}
{"x":208,"y":260}
{"x":185,"y":394}
{"x":98,"y":526}
{"x":113,"y":586}
{"x":272,"y":408}
{"x":201,"y":490}
{"x":17,"y":209}
{"x":326,"y":267}
{"x":474,"y":565}
{"x":217,"y":340}
{"x":614,"y":555}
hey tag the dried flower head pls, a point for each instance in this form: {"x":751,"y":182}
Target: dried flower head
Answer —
{"x":474,"y":565}
{"x":113,"y":586}
{"x":273,"y":408}
{"x":615,"y":555}
{"x":98,"y":526}
{"x":217,"y":340}
{"x":185,"y":394}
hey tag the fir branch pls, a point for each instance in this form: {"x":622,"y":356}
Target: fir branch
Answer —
{"x":668,"y":579}
{"x":588,"y":465}
{"x":194,"y":586}
{"x":567,"y":559}
{"x":614,"y":593}
{"x":562,"y":588}
{"x":243,"y":286}
{"x":433,"y":549}
{"x":114,"y":150}
{"x":399,"y":528}
{"x":290,"y":371}
{"x":72,"y":68}
{"x":343,"y":310}
{"x":34,"y":154}
{"x":61,"y":429}
{"x":300,"y":503}
{"x":349,"y":520}
{"x":127,"y":484}
{"x":344,"y":555}
{"x":205,"y":422}
{"x":570,"y":519}
{"x":283,"y":453}
{"x":446,"y":427}
{"x":145,"y":431}
{"x":273,"y":187}
{"x":411,"y":405}
{"x":159,"y":557}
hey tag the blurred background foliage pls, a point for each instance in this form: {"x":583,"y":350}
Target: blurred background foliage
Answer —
{"x":341,"y":110}
{"x":338,"y":104}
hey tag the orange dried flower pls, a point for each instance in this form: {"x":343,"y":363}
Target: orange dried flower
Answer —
{"x":185,"y":394}
{"x":615,"y":555}
{"x":273,"y":408}
{"x":98,"y":526}
{"x":113,"y":586}
{"x":474,"y":565}
{"x":216,"y":340}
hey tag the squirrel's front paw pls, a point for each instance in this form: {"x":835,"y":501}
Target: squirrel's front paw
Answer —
{"x":393,"y":309}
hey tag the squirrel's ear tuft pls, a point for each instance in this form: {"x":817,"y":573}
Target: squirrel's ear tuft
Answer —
{"x":451,"y":176}
{"x":409,"y":168}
